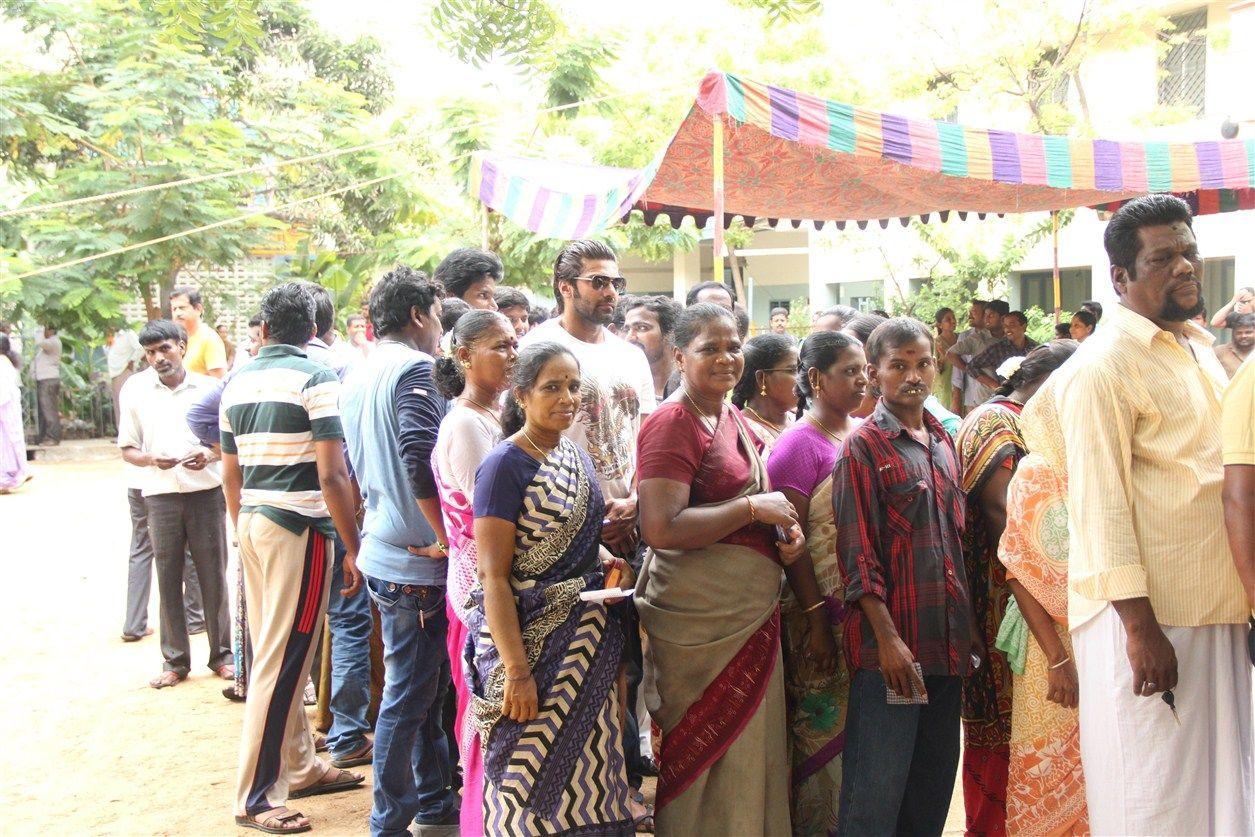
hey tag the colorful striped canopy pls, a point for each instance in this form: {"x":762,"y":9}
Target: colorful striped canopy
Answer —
{"x":791,"y":155}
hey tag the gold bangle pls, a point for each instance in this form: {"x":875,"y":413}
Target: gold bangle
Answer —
{"x":1061,"y":663}
{"x":753,"y":516}
{"x":816,"y":606}
{"x":527,"y":676}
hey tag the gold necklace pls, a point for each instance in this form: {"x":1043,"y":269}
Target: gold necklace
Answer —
{"x":487,"y":410}
{"x":823,"y":427}
{"x":762,"y":420}
{"x":544,"y":452}
{"x":702,"y":417}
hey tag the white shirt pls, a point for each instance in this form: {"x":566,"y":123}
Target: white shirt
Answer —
{"x":47,"y":365}
{"x":124,"y":351}
{"x":616,"y":393}
{"x":153,"y":419}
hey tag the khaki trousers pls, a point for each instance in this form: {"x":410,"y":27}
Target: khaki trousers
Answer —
{"x":286,"y":583}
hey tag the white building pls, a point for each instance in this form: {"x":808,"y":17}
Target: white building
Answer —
{"x":1208,"y":76}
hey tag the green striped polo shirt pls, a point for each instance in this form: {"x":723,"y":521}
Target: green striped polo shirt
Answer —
{"x":273,"y":411}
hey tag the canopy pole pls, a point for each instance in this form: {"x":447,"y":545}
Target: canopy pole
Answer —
{"x":717,"y":185}
{"x":1054,"y":227}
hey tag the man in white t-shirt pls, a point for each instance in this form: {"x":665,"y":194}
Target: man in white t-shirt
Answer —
{"x":617,"y":388}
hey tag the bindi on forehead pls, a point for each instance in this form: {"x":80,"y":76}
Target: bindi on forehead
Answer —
{"x":1166,"y":237}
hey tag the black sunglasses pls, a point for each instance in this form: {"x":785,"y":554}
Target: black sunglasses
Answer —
{"x":600,"y":283}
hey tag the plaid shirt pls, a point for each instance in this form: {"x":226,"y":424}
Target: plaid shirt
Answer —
{"x":899,"y":514}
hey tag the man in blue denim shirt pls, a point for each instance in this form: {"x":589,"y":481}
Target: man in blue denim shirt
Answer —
{"x":391,"y":414}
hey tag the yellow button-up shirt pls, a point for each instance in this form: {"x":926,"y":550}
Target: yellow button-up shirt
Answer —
{"x":1140,"y":417}
{"x":1238,"y":432}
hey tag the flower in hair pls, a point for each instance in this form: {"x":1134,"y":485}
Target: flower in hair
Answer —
{"x":1009,"y":367}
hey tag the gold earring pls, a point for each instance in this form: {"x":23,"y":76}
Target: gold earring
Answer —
{"x":762,"y":390}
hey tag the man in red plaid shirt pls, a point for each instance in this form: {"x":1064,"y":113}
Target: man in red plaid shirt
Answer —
{"x":909,"y":638}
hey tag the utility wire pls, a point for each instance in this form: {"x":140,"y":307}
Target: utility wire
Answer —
{"x":223,"y":223}
{"x":308,"y":158}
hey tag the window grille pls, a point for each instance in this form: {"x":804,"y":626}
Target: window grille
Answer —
{"x":1183,"y":65}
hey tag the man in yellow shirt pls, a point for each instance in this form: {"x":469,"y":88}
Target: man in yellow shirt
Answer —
{"x":1156,"y":607}
{"x":206,"y":353}
{"x":1238,"y":438}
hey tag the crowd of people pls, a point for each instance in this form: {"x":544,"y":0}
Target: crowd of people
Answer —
{"x":805,"y":584}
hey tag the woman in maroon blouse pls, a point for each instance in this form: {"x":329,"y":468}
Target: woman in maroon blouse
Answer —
{"x":708,"y":595}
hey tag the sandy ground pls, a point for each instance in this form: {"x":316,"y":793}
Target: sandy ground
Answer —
{"x":90,"y":747}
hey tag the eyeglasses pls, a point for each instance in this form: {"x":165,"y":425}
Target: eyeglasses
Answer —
{"x":788,"y":370}
{"x":600,"y":283}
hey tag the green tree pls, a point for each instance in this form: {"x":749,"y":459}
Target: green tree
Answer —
{"x":955,"y":275}
{"x":133,"y":106}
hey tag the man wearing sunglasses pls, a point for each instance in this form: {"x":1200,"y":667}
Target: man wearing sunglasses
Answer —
{"x":616,"y":390}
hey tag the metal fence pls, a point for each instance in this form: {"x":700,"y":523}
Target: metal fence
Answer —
{"x":86,"y":412}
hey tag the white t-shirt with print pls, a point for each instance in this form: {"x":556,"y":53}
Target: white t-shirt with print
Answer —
{"x":616,"y":393}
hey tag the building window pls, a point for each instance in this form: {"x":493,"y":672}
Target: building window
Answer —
{"x":779,"y":303}
{"x":1037,"y":288}
{"x":1183,"y":64}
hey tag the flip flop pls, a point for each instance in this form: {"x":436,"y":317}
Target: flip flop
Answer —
{"x":354,"y":780}
{"x":163,"y":681}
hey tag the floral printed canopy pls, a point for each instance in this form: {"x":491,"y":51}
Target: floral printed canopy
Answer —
{"x":791,"y":155}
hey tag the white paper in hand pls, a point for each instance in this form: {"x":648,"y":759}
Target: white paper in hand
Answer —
{"x":602,"y":595}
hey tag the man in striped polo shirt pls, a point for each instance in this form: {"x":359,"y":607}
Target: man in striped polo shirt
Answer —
{"x":288,"y":493}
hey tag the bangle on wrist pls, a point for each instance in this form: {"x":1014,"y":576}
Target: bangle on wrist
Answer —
{"x":816,"y":606}
{"x":527,"y":676}
{"x":749,"y":501}
{"x":1061,"y":663}
{"x":442,"y":546}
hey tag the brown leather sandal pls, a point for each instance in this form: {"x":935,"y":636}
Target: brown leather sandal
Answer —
{"x":333,"y":781}
{"x":276,"y":821}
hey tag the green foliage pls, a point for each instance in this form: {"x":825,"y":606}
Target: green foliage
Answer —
{"x":232,"y":23}
{"x":576,"y":73}
{"x":478,"y":31}
{"x":958,"y":276}
{"x":800,"y":316}
{"x":1023,"y":56}
{"x":783,"y":10}
{"x":1041,"y":324}
{"x":136,"y":106}
{"x":358,"y":67}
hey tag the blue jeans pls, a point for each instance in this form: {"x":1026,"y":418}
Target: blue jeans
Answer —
{"x":350,"y":623}
{"x":411,"y":765}
{"x":899,"y":762}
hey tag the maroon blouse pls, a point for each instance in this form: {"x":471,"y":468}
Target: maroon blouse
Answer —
{"x":675,"y":444}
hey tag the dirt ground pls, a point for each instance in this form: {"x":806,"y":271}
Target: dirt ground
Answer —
{"x":90,"y":747}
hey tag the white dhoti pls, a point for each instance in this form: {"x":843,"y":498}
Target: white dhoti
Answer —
{"x":1146,"y":775}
